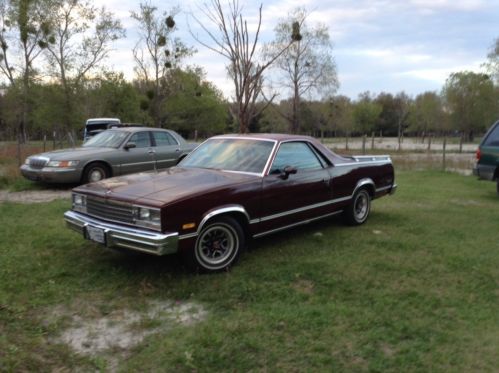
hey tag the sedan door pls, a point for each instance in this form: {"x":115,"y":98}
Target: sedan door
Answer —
{"x":166,"y":149}
{"x":296,"y":189}
{"x":140,"y":157}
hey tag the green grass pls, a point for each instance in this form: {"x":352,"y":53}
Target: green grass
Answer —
{"x":416,"y":288}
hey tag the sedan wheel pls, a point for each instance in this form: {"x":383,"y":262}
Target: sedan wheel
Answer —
{"x":358,"y":211}
{"x":95,"y":172}
{"x":219,"y":244}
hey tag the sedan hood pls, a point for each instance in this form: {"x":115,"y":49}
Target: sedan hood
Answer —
{"x":159,"y":188}
{"x":73,"y":154}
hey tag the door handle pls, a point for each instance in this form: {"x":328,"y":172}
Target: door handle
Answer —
{"x":150,"y":151}
{"x":177,"y":150}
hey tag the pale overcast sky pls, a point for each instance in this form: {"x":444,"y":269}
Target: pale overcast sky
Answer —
{"x":379,"y":45}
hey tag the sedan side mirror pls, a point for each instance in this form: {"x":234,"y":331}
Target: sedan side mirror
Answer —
{"x":130,"y":145}
{"x":288,"y":170}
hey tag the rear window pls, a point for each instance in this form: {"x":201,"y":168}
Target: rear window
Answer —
{"x":493,"y":137}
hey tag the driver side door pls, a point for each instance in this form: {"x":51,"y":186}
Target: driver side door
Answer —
{"x":295,"y":197}
{"x":139,"y":158}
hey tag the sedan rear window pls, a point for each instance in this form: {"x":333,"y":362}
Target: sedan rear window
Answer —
{"x":243,"y":155}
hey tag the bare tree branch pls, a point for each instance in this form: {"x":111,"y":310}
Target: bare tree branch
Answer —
{"x":234,"y":42}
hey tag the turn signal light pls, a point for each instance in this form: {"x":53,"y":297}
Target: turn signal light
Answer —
{"x":188,"y":226}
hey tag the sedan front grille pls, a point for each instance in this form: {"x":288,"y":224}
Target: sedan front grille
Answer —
{"x":37,"y":162}
{"x":110,"y":210}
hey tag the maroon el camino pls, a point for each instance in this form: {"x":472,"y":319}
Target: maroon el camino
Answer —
{"x":229,"y":189}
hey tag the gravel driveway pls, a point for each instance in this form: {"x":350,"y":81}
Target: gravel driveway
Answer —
{"x":34,"y":196}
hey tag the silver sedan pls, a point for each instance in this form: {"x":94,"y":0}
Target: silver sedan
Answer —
{"x":111,"y":153}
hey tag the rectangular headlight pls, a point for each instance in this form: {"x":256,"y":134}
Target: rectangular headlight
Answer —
{"x":79,"y":202}
{"x":147,"y":217}
{"x":62,"y":164}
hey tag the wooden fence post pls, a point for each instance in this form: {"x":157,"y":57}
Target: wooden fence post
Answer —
{"x":364,"y":144}
{"x":19,"y":161}
{"x":461,"y":143}
{"x":44,"y":142}
{"x":444,"y":150}
{"x":372,"y":140}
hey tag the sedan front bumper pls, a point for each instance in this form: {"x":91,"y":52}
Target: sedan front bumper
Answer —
{"x":52,"y":174}
{"x":113,"y":235}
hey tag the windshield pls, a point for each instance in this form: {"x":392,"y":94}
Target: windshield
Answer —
{"x":242,"y":155}
{"x":107,"y":139}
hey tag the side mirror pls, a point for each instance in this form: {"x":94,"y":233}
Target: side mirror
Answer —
{"x":288,"y":170}
{"x":130,"y":145}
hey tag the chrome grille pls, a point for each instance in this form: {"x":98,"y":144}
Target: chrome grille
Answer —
{"x":110,"y":210}
{"x":37,"y":162}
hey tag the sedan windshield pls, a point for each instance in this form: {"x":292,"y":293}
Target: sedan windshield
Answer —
{"x":107,"y":139}
{"x":243,"y":155}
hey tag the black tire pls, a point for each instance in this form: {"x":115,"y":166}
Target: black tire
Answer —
{"x":95,"y":172}
{"x":358,"y":211}
{"x":218,"y":246}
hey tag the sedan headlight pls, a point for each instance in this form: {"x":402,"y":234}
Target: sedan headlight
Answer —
{"x":79,"y":202}
{"x":62,"y":164}
{"x":147,"y":217}
{"x":26,"y":161}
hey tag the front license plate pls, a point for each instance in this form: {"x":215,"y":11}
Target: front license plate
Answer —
{"x":32,"y":177}
{"x":96,"y":234}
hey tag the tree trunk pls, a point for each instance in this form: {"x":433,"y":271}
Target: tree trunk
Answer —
{"x":399,"y":136}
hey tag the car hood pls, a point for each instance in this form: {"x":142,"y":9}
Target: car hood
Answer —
{"x":160,"y":188}
{"x":73,"y":154}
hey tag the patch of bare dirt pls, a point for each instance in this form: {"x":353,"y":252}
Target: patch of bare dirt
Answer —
{"x":91,"y":333}
{"x":304,"y":286}
{"x":34,"y":196}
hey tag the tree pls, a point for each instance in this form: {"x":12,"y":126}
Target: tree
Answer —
{"x":110,"y":95}
{"x":194,"y":104}
{"x":365,"y":113}
{"x":402,"y":106}
{"x":271,"y":120}
{"x":79,"y":41}
{"x":387,"y":123}
{"x":23,"y":25}
{"x":156,"y":52}
{"x":307,"y":65}
{"x":235,"y":43}
{"x":493,"y":60}
{"x":471,"y":100}
{"x":426,"y":113}
{"x":342,"y":114}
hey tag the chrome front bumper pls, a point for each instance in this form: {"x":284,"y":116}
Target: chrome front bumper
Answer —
{"x":393,"y":189}
{"x":122,"y":236}
{"x":52,"y":174}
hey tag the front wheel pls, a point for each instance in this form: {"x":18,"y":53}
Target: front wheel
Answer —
{"x":219,"y":245}
{"x":95,"y":172}
{"x":358,"y":211}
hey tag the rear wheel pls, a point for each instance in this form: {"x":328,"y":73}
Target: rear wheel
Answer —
{"x":358,"y":211}
{"x":219,"y":245}
{"x":95,"y":172}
